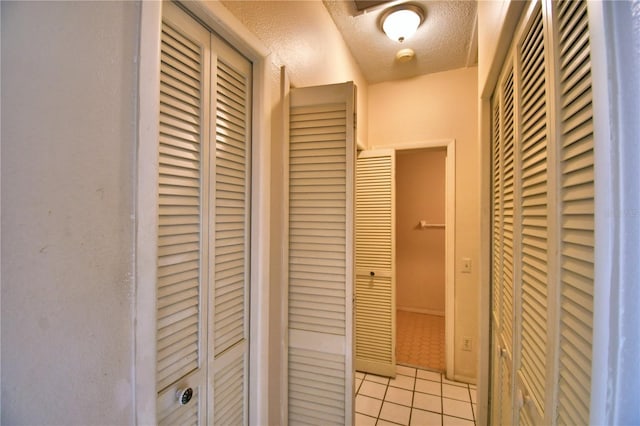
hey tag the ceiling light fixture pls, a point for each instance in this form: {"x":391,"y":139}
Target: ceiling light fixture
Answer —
{"x":401,"y":22}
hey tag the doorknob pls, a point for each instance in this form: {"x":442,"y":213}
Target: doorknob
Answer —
{"x":184,"y":395}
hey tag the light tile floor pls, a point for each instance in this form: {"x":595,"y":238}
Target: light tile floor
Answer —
{"x":414,"y":397}
{"x":420,"y":340}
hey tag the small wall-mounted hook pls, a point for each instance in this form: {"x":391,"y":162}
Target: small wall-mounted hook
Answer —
{"x":372,"y":274}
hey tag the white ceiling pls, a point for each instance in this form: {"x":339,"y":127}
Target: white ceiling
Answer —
{"x":446,"y":40}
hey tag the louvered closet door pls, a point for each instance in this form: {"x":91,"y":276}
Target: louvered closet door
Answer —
{"x":203,"y":245}
{"x":375,"y":254}
{"x":576,"y":212}
{"x":554,"y":218}
{"x":532,"y":351}
{"x":503,"y":217}
{"x":229,"y":326}
{"x":182,"y":285}
{"x":321,"y":255}
{"x":496,"y":259}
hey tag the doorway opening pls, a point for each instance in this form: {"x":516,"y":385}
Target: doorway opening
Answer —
{"x":420,"y":257}
{"x":369,"y":279}
{"x":449,"y":145}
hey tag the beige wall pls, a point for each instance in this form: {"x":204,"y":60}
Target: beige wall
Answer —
{"x":432,"y":107}
{"x":420,"y":195}
{"x":495,"y":18}
{"x":68,"y":155}
{"x":302,"y":37}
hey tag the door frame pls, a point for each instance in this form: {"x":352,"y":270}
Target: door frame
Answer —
{"x":450,"y":223}
{"x":219,"y":19}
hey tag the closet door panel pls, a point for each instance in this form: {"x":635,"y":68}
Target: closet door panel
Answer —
{"x":375,"y":269}
{"x":321,"y":255}
{"x":576,"y":215}
{"x":496,"y":261}
{"x":534,"y":210}
{"x":553,"y":218}
{"x":182,"y":233}
{"x":204,"y":226}
{"x":229,"y":330}
{"x":503,"y":242}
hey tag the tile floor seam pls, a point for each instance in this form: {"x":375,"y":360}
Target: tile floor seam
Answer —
{"x":407,"y":403}
{"x":473,"y":414}
{"x":441,"y":403}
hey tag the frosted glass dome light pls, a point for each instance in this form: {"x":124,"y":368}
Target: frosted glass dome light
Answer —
{"x":401,"y":22}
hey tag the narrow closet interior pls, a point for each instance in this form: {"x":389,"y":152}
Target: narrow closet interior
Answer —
{"x":420,"y":258}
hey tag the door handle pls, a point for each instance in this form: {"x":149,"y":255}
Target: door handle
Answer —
{"x":184,"y":395}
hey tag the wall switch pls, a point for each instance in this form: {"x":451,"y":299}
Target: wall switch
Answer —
{"x":466,"y":343}
{"x":466,"y":265}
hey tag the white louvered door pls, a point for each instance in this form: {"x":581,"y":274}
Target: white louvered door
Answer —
{"x":533,"y":207}
{"x":496,"y":260}
{"x":229,"y":327}
{"x":375,"y":267}
{"x":203,"y":234}
{"x":548,"y":167}
{"x":576,"y":159}
{"x":182,"y":234}
{"x":321,"y":255}
{"x":503,"y":222}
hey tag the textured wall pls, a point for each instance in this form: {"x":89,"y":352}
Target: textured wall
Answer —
{"x":68,"y":144}
{"x":302,"y":37}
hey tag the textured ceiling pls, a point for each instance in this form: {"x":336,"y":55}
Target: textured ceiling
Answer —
{"x":446,"y":39}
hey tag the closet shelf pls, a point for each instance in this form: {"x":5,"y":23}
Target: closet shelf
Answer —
{"x":423,"y":224}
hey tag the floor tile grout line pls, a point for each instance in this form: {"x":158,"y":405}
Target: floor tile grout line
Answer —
{"x":414,"y":390}
{"x":383,"y":398}
{"x":441,"y":400}
{"x":473,"y":412}
{"x":413,"y":393}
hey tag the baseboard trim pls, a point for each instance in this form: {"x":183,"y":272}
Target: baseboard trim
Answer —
{"x":420,"y":311}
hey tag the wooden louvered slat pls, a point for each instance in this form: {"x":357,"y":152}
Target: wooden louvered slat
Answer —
{"x":499,"y":395}
{"x":495,"y":379}
{"x":203,"y":222}
{"x":374,"y":349}
{"x":229,"y":393}
{"x":320,"y":254}
{"x":374,"y":319}
{"x":533,"y":208}
{"x":577,"y":207}
{"x":317,"y":194}
{"x":316,"y":387}
{"x":231,"y":208}
{"x":508,"y":208}
{"x":179,"y":245}
{"x":567,"y":252}
{"x":496,"y":215}
{"x":506,"y":410}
